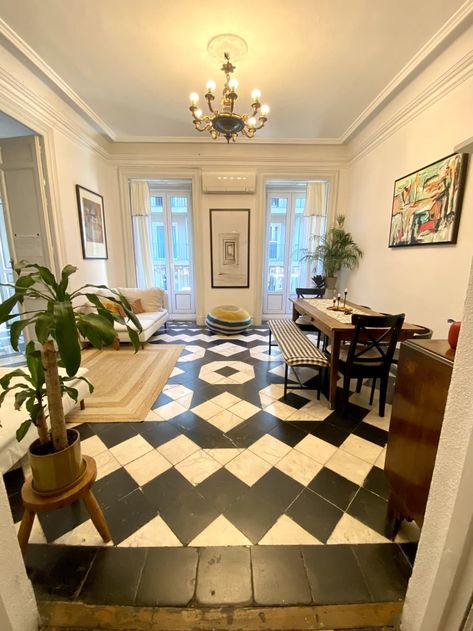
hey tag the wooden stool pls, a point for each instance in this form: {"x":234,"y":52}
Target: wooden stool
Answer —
{"x":35,"y":503}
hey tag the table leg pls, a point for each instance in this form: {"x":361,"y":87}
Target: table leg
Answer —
{"x":97,"y":516}
{"x":295,"y":313}
{"x":333,"y":371}
{"x":25,"y":529}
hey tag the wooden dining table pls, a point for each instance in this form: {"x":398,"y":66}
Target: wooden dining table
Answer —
{"x":338,"y":328}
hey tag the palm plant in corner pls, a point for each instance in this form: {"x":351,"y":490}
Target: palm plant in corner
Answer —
{"x":53,"y":359}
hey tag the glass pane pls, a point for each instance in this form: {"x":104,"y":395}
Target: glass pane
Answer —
{"x":277,"y":243}
{"x":299,"y":242}
{"x":180,"y":243}
{"x":158,"y":242}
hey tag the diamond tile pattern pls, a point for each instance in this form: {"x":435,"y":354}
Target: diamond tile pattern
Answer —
{"x":224,"y":460}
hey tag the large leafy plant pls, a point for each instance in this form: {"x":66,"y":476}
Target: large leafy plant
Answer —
{"x":335,"y":250}
{"x":58,"y":326}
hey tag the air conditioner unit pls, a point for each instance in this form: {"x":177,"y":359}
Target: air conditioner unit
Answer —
{"x":230,"y":182}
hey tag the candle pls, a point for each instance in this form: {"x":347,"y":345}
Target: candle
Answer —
{"x":345,"y":298}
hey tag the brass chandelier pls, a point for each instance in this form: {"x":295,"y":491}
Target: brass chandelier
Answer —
{"x":226,"y":122}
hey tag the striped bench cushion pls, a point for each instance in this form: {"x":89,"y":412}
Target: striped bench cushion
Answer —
{"x":296,"y":349}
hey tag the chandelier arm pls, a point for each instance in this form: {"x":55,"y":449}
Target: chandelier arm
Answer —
{"x":209,"y":103}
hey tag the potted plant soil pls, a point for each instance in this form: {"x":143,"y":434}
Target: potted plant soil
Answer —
{"x":53,"y":359}
{"x":335,"y":250}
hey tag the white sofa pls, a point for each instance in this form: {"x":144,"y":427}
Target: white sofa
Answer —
{"x":154,"y":301}
{"x":11,"y":451}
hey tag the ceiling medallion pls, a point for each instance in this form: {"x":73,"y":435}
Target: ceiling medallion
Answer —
{"x":225,"y":121}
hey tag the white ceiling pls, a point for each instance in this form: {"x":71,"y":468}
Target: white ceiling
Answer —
{"x":318,"y":63}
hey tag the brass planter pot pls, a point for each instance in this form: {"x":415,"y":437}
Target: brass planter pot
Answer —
{"x":330,"y":286}
{"x":57,"y":471}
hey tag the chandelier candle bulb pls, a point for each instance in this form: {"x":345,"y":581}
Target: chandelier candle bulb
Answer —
{"x":265,"y":110}
{"x":211,"y":85}
{"x":194,"y":97}
{"x":256,"y":94}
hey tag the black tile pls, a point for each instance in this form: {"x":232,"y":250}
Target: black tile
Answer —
{"x":163,"y":399}
{"x":248,"y":432}
{"x":166,"y":488}
{"x":376,"y":482}
{"x":374,"y":434}
{"x":334,"y":575}
{"x":114,"y":433}
{"x":85,"y":430}
{"x":294,"y":400}
{"x":279,"y":576}
{"x":168,"y":577}
{"x":410,"y":550}
{"x":208,"y":436}
{"x":253,"y":515}
{"x":277,"y":487}
{"x":190,"y":517}
{"x":224,"y":576}
{"x":308,"y":427}
{"x":58,"y":522}
{"x":315,"y":514}
{"x":13,"y":481}
{"x":57,"y":571}
{"x":113,"y":486}
{"x":334,"y":488}
{"x":330,"y":433}
{"x":385,"y":569}
{"x":222,"y":488}
{"x":128,"y":514}
{"x":287,"y":433}
{"x":369,"y":509}
{"x":114,"y":576}
{"x":186,"y":420}
{"x":342,"y":421}
{"x":16,"y":506}
{"x":157,"y":433}
{"x":226,"y":371}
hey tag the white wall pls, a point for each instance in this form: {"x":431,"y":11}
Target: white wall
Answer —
{"x":427,"y":282}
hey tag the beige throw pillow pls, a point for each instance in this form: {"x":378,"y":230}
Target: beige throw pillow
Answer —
{"x":151,"y":299}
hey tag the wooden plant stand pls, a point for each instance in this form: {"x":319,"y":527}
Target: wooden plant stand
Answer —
{"x":35,"y":503}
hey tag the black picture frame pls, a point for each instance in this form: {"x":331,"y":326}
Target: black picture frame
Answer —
{"x":230,"y":248}
{"x":93,"y":231}
{"x":427,"y":203}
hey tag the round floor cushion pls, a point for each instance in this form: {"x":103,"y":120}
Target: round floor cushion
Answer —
{"x":228,"y":319}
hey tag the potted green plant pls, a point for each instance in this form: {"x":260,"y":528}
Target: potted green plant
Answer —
{"x":336,"y":249}
{"x":58,"y":326}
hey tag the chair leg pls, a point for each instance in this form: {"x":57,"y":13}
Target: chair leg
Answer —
{"x":373,"y":384}
{"x":269,"y":347}
{"x":286,"y":370}
{"x":359,"y":383}
{"x":319,"y":387}
{"x":346,"y":391}
{"x":382,"y":394}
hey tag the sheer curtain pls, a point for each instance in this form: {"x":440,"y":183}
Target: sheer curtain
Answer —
{"x":316,"y":210}
{"x":141,"y":213}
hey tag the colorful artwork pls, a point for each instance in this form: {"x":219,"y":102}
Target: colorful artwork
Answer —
{"x":427,"y":203}
{"x":92,"y":224}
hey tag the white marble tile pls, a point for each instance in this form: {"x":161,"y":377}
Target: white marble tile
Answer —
{"x":178,"y":448}
{"x":176,"y":372}
{"x":242,"y":377}
{"x":147,"y":467}
{"x":248,"y":467}
{"x":176,"y":391}
{"x":220,"y":532}
{"x":131,"y":449}
{"x":380,"y":460}
{"x":207,"y":410}
{"x":225,"y":420}
{"x":153,"y":534}
{"x":317,"y":449}
{"x":286,"y":532}
{"x":198,"y":467}
{"x":153,"y":416}
{"x":265,"y":400}
{"x":170,"y":410}
{"x":349,"y":466}
{"x":382,"y":422}
{"x":350,"y":530}
{"x":225,"y":400}
{"x":280,"y":410}
{"x":270,"y":449}
{"x":92,"y":446}
{"x":313,"y":411}
{"x":83,"y":535}
{"x":223,"y":455}
{"x":299,"y":466}
{"x":186,"y":400}
{"x":106,"y":463}
{"x":274,"y":391}
{"x":364,"y":449}
{"x":244,"y":409}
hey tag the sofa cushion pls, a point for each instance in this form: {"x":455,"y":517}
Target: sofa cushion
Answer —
{"x":151,"y":299}
{"x":147,"y":319}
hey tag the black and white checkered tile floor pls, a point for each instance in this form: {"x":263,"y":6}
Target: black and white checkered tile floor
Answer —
{"x":224,"y":460}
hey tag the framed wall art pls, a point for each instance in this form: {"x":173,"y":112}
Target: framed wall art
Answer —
{"x":92,"y":224}
{"x":230,"y":247}
{"x":427,"y":203}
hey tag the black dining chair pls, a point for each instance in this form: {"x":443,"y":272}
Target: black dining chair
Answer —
{"x":309,"y":292}
{"x":370,"y":353}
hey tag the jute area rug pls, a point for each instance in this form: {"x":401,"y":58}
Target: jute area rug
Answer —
{"x":126,"y":384}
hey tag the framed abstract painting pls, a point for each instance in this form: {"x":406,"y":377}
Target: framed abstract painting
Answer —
{"x":230,"y":247}
{"x":92,"y":224}
{"x":427,"y":203}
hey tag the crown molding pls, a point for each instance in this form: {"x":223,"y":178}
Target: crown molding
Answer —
{"x":12,"y":36}
{"x":241,"y":140}
{"x":461,"y":71}
{"x":462,"y":14}
{"x":22,"y":100}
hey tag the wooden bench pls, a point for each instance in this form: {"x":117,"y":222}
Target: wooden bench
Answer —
{"x":297,"y":351}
